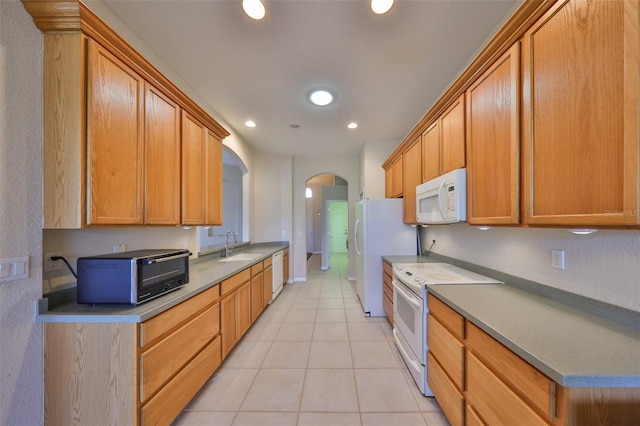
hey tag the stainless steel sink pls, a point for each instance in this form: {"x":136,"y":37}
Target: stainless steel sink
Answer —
{"x":241,"y":257}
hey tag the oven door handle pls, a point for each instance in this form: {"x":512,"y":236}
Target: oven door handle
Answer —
{"x":408,"y":296}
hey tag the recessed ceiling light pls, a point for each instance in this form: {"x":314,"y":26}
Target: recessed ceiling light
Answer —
{"x":352,"y":125}
{"x":381,"y":6}
{"x":250,"y":123}
{"x":254,"y":9}
{"x":321,"y":97}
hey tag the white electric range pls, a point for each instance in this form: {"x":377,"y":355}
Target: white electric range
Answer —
{"x":410,"y":281}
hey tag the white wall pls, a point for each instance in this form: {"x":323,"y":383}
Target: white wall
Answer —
{"x":21,"y":339}
{"x":272,"y":197}
{"x":603,"y":266}
{"x":372,"y":177}
{"x":304,"y":168}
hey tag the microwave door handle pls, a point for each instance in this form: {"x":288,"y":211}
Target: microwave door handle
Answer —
{"x":355,"y":235}
{"x":441,"y":198}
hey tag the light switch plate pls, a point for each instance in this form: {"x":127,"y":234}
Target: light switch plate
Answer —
{"x":14,"y":269}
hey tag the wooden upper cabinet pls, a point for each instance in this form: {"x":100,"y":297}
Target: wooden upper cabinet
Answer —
{"x":431,"y":152}
{"x":115,"y":113}
{"x":162,"y":159}
{"x":493,"y":143}
{"x":580,"y":112}
{"x":452,"y":155}
{"x":443,"y":147}
{"x":193,"y":163}
{"x":111,"y":129}
{"x":388,"y":182}
{"x":411,"y":177}
{"x":393,"y":179}
{"x":213,"y":179}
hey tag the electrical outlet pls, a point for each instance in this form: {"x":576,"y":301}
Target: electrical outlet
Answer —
{"x":557,"y":259}
{"x":52,"y":265}
{"x":119,"y":248}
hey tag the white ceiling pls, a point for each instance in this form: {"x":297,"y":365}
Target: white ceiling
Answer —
{"x":385,"y":71}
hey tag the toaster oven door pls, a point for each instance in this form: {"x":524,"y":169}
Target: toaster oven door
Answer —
{"x":158,"y":276}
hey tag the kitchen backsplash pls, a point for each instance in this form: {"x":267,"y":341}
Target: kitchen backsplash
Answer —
{"x":602,"y":266}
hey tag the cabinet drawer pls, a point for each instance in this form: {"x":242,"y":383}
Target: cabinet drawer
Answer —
{"x":267,"y":262}
{"x":164,"y":323}
{"x":162,"y":361}
{"x":446,"y":393}
{"x":387,"y":305}
{"x":387,"y":288}
{"x":447,"y":349}
{"x":471,"y":417}
{"x":493,"y":400}
{"x":535,"y":386}
{"x":171,"y":400}
{"x":235,"y":281}
{"x":256,"y":269}
{"x":452,"y":320}
{"x":387,"y":268}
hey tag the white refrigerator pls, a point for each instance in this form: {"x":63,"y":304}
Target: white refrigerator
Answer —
{"x":379,"y":230}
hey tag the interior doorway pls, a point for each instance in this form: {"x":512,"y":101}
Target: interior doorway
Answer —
{"x":323,"y":190}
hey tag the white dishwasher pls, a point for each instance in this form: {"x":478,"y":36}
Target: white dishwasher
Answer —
{"x":278,"y":274}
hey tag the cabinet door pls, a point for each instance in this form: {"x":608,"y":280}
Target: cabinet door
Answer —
{"x":285,"y":266}
{"x":412,"y":177}
{"x":244,"y":309}
{"x":493,"y":143}
{"x":193,"y":163}
{"x":228,"y":322}
{"x":398,"y":177}
{"x":115,"y":102}
{"x":257,"y":294}
{"x":213,"y":176}
{"x":162,"y":159}
{"x":388,"y":182}
{"x":452,"y":137}
{"x":431,"y":152}
{"x":580,"y":111}
{"x":267,"y":285}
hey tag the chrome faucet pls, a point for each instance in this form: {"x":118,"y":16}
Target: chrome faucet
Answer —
{"x":226,"y":243}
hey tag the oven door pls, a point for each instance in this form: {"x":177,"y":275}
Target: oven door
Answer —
{"x":408,"y":310}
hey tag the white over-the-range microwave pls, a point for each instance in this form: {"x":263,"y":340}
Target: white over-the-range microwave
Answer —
{"x":443,"y":199}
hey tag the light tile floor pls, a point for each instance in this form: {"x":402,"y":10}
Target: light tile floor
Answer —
{"x":313,"y":358}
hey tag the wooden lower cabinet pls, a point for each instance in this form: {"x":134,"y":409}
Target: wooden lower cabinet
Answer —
{"x":478,"y":381}
{"x":446,"y":358}
{"x":128,"y":373}
{"x":257,"y":291}
{"x":448,"y":395}
{"x":167,"y":404}
{"x":267,"y":284}
{"x":494,"y":401}
{"x":387,"y":290}
{"x":285,"y":266}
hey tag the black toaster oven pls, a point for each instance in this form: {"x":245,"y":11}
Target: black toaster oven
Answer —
{"x":131,"y":277}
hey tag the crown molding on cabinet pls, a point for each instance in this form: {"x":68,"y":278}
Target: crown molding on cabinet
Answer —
{"x":512,"y":30}
{"x":54,"y":16}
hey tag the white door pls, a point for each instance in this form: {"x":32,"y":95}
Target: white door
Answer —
{"x":338,"y":227}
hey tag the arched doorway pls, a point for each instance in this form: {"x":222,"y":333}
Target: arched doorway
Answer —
{"x":327,"y":217}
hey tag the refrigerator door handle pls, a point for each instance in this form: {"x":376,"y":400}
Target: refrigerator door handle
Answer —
{"x":355,"y":234}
